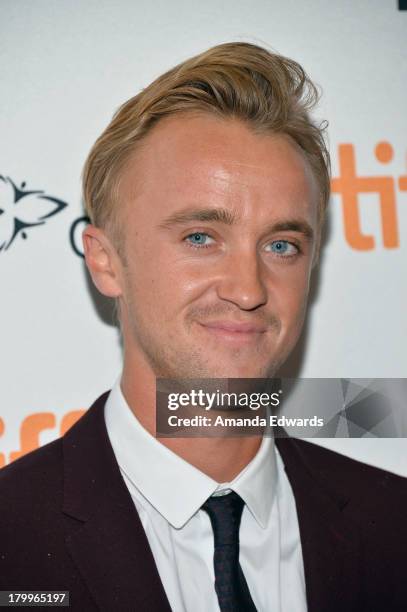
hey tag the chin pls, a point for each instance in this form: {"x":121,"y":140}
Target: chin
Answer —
{"x":244,"y":371}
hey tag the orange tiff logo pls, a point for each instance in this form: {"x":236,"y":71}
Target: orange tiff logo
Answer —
{"x":349,"y":185}
{"x":31,"y":428}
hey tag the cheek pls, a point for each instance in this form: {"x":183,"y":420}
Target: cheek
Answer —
{"x":164,"y":283}
{"x":288,"y":292}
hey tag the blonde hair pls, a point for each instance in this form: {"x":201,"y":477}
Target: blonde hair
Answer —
{"x":269,"y":92}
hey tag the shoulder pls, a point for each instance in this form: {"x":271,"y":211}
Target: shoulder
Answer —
{"x":31,"y":526}
{"x":329,"y":464}
{"x":30,"y":477}
{"x":41,"y":470}
{"x":353,"y":470}
{"x":364,"y":492}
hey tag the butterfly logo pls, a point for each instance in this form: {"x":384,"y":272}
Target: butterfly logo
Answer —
{"x":21,"y":209}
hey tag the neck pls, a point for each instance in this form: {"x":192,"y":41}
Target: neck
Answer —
{"x":220,"y":458}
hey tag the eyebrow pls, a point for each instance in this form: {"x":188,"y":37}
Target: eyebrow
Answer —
{"x":223,"y":215}
{"x":294,"y":225}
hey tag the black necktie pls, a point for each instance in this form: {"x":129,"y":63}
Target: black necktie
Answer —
{"x":225,"y":512}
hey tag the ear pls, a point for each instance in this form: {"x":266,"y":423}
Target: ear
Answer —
{"x":102,"y":260}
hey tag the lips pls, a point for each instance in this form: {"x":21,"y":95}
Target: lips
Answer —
{"x":235,"y":327}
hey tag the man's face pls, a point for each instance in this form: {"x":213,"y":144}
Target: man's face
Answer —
{"x":219,"y":227}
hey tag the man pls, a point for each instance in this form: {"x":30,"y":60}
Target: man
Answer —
{"x":206,"y":193}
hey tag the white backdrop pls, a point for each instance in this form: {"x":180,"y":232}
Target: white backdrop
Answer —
{"x":65,"y":68}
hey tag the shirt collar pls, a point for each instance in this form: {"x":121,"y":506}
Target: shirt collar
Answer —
{"x":173,"y":486}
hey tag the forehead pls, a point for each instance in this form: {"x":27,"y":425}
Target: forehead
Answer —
{"x":199,"y":159}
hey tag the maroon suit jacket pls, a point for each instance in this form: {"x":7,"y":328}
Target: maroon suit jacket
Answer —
{"x":67,"y":522}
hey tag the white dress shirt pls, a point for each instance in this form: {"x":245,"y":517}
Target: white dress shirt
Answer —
{"x":168,"y":494}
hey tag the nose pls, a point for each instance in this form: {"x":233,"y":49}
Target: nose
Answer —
{"x":242,"y":281}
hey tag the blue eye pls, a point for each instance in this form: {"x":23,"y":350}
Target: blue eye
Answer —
{"x":199,"y":239}
{"x":283,"y":247}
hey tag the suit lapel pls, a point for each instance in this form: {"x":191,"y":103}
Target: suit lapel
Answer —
{"x":104,"y":534}
{"x":330,"y":542}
